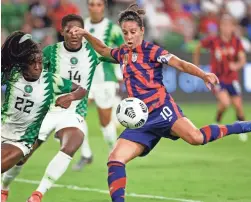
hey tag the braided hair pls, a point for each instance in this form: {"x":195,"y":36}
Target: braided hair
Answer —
{"x":17,"y":52}
{"x":132,"y":13}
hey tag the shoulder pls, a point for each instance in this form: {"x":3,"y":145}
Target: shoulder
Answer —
{"x":51,"y":47}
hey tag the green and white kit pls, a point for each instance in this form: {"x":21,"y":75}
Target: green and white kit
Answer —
{"x":78,"y":66}
{"x":25,"y":107}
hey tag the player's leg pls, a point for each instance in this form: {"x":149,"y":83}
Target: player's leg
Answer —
{"x":236,"y":99}
{"x":70,"y":133}
{"x":10,"y":156}
{"x":185,"y":129}
{"x":12,"y":173}
{"x":86,"y":152}
{"x":132,"y":143}
{"x":223,"y":103}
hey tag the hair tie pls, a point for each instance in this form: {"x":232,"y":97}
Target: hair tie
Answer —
{"x":25,"y":37}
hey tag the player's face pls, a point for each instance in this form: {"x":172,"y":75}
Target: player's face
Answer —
{"x":72,"y":41}
{"x":133,"y":34}
{"x":227,"y":27}
{"x":34,"y":69}
{"x":96,"y":9}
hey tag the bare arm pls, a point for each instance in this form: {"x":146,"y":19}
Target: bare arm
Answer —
{"x":77,"y":94}
{"x":98,"y":45}
{"x":184,"y":66}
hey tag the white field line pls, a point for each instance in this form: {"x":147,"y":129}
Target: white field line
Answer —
{"x":73,"y":187}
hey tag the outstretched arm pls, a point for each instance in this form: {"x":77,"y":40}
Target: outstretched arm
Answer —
{"x":184,"y":66}
{"x":77,"y":94}
{"x":98,"y":45}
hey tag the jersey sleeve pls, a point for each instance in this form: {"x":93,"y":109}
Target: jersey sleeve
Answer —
{"x":206,"y":42}
{"x":61,"y":85}
{"x":115,"y":53}
{"x":46,"y":58}
{"x":159,"y":55}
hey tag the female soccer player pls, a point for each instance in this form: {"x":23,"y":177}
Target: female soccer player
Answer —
{"x":141,"y":63}
{"x":28,"y":97}
{"x":103,"y":90}
{"x":227,"y":59}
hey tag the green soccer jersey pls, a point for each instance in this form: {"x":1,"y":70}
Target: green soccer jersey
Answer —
{"x":78,"y":66}
{"x":112,"y":36}
{"x":26,"y":104}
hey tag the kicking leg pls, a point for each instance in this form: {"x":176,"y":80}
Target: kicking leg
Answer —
{"x":185,"y":129}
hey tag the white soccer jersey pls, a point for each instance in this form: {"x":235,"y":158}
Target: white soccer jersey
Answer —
{"x":26,"y":104}
{"x":77,"y":66}
{"x":112,"y":36}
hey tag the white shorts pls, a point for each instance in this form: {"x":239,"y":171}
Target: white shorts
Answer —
{"x":103,"y":94}
{"x":55,"y":121}
{"x":24,"y":146}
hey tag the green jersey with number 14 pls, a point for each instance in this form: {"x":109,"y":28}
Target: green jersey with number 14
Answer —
{"x":78,"y":66}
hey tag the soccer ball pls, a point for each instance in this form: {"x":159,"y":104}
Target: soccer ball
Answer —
{"x":132,"y":113}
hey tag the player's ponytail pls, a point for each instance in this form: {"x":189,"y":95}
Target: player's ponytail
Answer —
{"x":132,"y":13}
{"x":17,"y":52}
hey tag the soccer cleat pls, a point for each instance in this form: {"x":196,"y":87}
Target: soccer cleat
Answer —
{"x":4,"y":195}
{"x":245,"y":126}
{"x":81,"y":163}
{"x":36,"y":196}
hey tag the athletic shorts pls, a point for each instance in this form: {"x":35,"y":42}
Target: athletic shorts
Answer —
{"x":158,"y":125}
{"x":55,"y":121}
{"x":233,"y":89}
{"x":103,"y":94}
{"x":24,"y":146}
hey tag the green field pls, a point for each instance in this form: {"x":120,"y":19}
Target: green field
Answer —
{"x":217,"y":172}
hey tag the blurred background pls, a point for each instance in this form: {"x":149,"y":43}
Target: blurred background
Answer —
{"x":174,"y":171}
{"x":176,"y":25}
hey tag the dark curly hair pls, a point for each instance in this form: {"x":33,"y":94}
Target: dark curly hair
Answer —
{"x":17,"y":52}
{"x":132,"y":13}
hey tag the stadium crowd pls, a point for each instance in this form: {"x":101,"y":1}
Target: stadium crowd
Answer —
{"x":174,"y":24}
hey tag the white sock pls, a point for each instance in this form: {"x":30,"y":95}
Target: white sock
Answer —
{"x":85,"y":149}
{"x":110,"y":134}
{"x":54,"y":171}
{"x":9,"y":176}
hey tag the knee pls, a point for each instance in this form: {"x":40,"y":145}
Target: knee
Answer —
{"x":195,"y":138}
{"x":226,"y":104}
{"x":116,"y":156}
{"x":72,"y":144}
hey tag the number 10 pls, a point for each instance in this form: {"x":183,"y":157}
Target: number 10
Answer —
{"x":166,"y":112}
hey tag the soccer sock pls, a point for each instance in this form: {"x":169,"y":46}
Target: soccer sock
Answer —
{"x":85,"y":149}
{"x":110,"y":134}
{"x":54,"y":171}
{"x":214,"y":132}
{"x":117,"y":180}
{"x":9,"y":176}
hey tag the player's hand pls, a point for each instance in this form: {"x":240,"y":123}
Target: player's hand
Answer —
{"x":210,"y":80}
{"x":234,"y":66}
{"x":64,"y":101}
{"x":77,"y":31}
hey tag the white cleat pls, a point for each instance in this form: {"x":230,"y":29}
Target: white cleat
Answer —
{"x":243,"y":137}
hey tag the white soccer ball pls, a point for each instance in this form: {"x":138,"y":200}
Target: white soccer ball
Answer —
{"x":132,"y":113}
